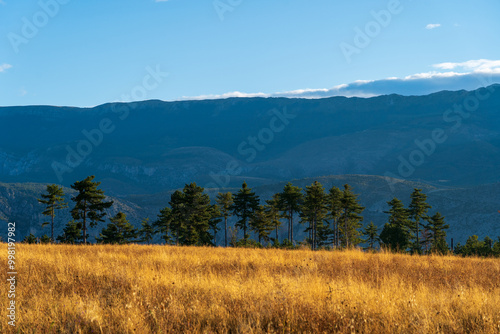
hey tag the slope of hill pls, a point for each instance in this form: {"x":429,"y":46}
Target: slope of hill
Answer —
{"x":450,"y":138}
{"x":447,"y":143}
{"x":18,"y":203}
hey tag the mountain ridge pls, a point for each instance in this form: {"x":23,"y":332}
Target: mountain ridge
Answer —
{"x":142,"y":149}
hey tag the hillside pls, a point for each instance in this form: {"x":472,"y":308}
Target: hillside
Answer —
{"x":447,"y":143}
{"x":147,"y":147}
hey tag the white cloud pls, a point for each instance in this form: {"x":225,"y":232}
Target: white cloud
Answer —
{"x":5,"y":67}
{"x":433,"y":26}
{"x":476,"y":66}
{"x":467,"y":75}
{"x":224,"y":96}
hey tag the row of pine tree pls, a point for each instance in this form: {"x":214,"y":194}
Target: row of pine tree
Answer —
{"x":331,"y":219}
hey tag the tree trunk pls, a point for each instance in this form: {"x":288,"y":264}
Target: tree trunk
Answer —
{"x":225,"y":230}
{"x":418,"y":237}
{"x":314,"y":231}
{"x":85,"y":223}
{"x":345,"y":230}
{"x":245,"y":231}
{"x":52,"y":228}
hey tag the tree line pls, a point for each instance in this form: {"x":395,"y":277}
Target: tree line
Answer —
{"x":330,"y":219}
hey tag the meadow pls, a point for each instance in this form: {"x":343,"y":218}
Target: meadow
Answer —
{"x":168,"y":289}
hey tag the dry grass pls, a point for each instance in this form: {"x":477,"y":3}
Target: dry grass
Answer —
{"x":163,"y":289}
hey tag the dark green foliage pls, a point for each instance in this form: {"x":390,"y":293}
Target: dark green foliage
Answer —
{"x":119,"y":231}
{"x":393,"y":238}
{"x":334,"y":220}
{"x":72,"y":233}
{"x":146,"y":232}
{"x":272,"y":210}
{"x":290,"y":201}
{"x":261,"y":224}
{"x":187,"y":221}
{"x":177,"y":216}
{"x":437,"y":234}
{"x":371,"y":233}
{"x":53,"y":200}
{"x":476,"y":247}
{"x":496,"y":248}
{"x":191,"y":212}
{"x":30,"y":239}
{"x":245,"y":207}
{"x":215,"y":219}
{"x":350,"y":218}
{"x":247,"y":243}
{"x":334,"y":206}
{"x":287,"y":244}
{"x":45,"y":239}
{"x":314,"y":212}
{"x":418,"y":213}
{"x":395,"y":234}
{"x":162,"y":224}
{"x":225,"y":202}
{"x":89,"y":204}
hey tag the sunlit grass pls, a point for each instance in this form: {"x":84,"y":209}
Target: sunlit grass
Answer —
{"x":165,"y":289}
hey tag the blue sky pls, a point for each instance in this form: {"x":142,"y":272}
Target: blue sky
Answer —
{"x":85,"y":53}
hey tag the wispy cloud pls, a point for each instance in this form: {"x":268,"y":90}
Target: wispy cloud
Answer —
{"x":224,"y":96}
{"x":5,"y":67}
{"x":477,"y":66}
{"x":433,"y":26}
{"x":467,"y":75}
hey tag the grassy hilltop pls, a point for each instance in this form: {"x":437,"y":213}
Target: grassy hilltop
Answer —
{"x":167,"y":289}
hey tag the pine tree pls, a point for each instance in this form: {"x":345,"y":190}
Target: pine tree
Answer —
{"x":72,"y":233}
{"x":196,"y":213}
{"x":177,"y":215}
{"x":395,"y":233}
{"x":146,"y":231}
{"x":30,"y":239}
{"x":89,"y":204}
{"x":272,"y":210}
{"x":314,"y":211}
{"x":119,"y":231}
{"x":225,"y":202}
{"x":290,"y":202}
{"x":437,"y":228}
{"x":188,"y":218}
{"x":496,"y":248}
{"x":53,"y":200}
{"x":371,"y":233}
{"x":45,"y":239}
{"x":472,"y":247}
{"x":350,"y":217}
{"x":334,"y":206}
{"x":245,"y":207}
{"x":418,"y":212}
{"x":214,"y":222}
{"x":163,"y":224}
{"x":261,"y":224}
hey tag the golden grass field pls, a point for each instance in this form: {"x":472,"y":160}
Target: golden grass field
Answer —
{"x":166,"y":289}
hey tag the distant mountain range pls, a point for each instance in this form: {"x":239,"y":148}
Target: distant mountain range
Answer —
{"x":447,"y":142}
